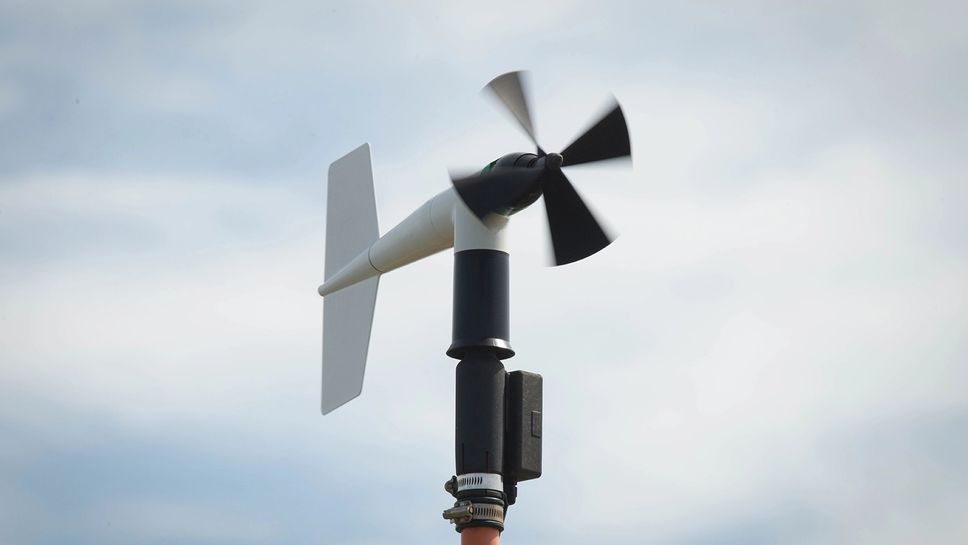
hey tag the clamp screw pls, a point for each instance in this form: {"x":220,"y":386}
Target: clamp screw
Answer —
{"x":451,"y":486}
{"x":461,"y":513}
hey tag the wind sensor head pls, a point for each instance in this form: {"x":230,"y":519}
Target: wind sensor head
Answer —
{"x":515,"y":181}
{"x":470,"y":217}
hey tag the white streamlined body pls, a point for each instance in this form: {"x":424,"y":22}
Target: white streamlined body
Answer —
{"x":356,"y":257}
{"x":432,"y":228}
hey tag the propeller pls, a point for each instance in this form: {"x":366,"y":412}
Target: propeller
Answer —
{"x":575,"y":233}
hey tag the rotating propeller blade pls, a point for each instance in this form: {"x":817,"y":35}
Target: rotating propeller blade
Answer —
{"x":495,"y":192}
{"x":575,"y":233}
{"x":606,"y":139}
{"x":510,"y":89}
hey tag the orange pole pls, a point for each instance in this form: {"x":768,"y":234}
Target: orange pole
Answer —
{"x":480,"y":535}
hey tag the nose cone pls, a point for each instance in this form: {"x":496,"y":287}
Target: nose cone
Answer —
{"x":553,"y":161}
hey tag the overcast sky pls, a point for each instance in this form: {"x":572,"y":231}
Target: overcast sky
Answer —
{"x":774,"y":350}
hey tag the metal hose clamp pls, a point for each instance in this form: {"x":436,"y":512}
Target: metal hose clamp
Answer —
{"x":465,"y":513}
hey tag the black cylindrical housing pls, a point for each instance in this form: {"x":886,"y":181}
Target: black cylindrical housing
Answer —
{"x":481,"y":313}
{"x":480,"y":413}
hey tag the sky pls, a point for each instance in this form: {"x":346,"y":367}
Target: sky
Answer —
{"x":773,"y":351}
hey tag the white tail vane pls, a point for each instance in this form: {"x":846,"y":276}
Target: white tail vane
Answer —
{"x":351,"y":226}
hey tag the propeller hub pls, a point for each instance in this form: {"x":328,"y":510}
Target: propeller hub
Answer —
{"x":553,"y":161}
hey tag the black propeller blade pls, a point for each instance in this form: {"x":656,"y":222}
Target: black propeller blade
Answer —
{"x":575,"y":233}
{"x":606,"y":139}
{"x":510,"y":89}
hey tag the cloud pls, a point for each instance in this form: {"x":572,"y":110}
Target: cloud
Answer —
{"x":153,"y":520}
{"x":771,"y":351}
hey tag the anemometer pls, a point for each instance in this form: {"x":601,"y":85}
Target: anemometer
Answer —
{"x":498,"y":414}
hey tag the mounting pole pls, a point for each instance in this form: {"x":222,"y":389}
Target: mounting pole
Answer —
{"x":498,"y":414}
{"x":481,"y":339}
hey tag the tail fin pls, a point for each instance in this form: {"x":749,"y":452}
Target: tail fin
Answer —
{"x":351,"y":227}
